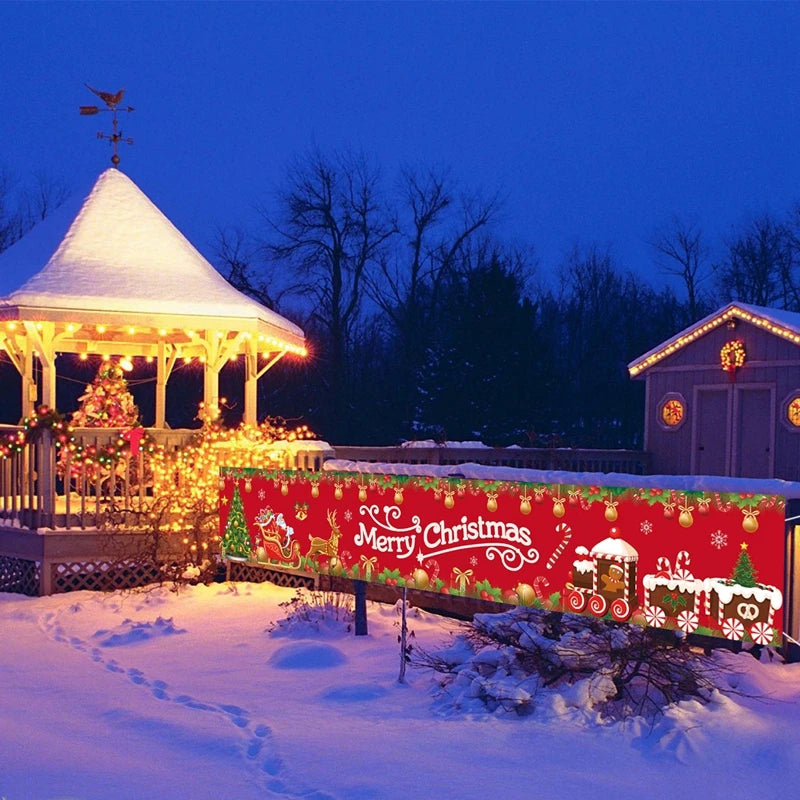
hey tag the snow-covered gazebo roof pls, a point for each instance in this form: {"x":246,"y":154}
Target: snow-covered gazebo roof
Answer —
{"x":109,"y":274}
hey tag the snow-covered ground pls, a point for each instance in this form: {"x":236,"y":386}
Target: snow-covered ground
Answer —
{"x":164,"y":695}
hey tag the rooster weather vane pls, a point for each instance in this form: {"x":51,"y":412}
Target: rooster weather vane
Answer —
{"x":112,"y":101}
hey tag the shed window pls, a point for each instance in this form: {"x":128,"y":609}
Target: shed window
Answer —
{"x":793,"y":411}
{"x":672,"y":411}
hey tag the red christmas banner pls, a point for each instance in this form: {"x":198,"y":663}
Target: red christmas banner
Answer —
{"x":703,"y":562}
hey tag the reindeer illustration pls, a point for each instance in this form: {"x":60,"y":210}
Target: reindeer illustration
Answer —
{"x":326,"y":547}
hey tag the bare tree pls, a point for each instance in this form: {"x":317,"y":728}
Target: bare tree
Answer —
{"x":239,"y":257}
{"x":757,"y":266}
{"x":332,"y":226}
{"x":22,"y":207}
{"x":681,"y":251}
{"x":12,"y":223}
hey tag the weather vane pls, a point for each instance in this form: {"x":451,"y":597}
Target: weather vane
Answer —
{"x":112,"y":101}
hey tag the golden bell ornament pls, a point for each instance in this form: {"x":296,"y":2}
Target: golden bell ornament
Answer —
{"x":421,"y":578}
{"x":750,"y":523}
{"x":525,"y":594}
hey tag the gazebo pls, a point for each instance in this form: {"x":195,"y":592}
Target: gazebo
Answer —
{"x":110,"y":275}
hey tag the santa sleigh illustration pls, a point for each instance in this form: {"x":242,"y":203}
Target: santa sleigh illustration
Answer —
{"x":274,"y":540}
{"x":604,"y":579}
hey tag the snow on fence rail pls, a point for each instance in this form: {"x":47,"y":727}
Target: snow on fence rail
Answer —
{"x":632,"y":462}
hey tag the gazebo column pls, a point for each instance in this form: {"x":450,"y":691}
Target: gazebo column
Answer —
{"x":252,"y":375}
{"x":250,"y":388}
{"x":40,"y":335}
{"x":165,"y":361}
{"x":28,"y":385}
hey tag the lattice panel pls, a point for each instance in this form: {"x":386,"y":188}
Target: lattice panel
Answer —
{"x":102,"y":576}
{"x":253,"y":574}
{"x":18,"y":575}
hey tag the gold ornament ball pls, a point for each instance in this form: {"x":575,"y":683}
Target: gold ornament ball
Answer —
{"x":248,"y":485}
{"x":398,"y":498}
{"x":685,"y":519}
{"x":362,"y":494}
{"x":558,"y":509}
{"x":491,"y":504}
{"x":525,"y":594}
{"x":284,"y":489}
{"x":525,"y":507}
{"x":449,"y":502}
{"x":421,"y":579}
{"x":750,"y":523}
{"x":611,"y":514}
{"x":338,"y":493}
{"x":315,"y":491}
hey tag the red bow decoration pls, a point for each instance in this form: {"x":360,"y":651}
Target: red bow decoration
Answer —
{"x":134,"y":436}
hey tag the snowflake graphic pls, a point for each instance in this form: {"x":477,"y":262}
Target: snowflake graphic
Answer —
{"x":646,"y":527}
{"x":261,"y":494}
{"x":348,"y":515}
{"x":719,"y":539}
{"x":474,"y":561}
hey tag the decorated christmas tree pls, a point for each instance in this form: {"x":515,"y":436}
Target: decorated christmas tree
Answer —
{"x":107,"y":403}
{"x":236,"y":542}
{"x":743,"y":572}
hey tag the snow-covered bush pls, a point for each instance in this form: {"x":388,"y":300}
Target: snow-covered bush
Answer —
{"x":512,"y":661}
{"x":311,"y":613}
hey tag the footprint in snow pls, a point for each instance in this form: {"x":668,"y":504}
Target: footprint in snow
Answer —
{"x":136,"y":676}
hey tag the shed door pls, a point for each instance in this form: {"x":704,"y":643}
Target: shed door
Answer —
{"x":711,"y":440}
{"x":754,"y":432}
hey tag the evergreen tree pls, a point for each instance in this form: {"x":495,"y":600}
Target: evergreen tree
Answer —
{"x":743,"y":572}
{"x":107,"y":403}
{"x":236,"y":542}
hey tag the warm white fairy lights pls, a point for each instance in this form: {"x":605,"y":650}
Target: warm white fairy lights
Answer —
{"x":687,"y":338}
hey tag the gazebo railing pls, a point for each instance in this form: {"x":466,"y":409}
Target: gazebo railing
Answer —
{"x":42,"y":488}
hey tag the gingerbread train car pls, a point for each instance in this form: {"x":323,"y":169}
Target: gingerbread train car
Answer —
{"x":673,"y":594}
{"x":604,"y":579}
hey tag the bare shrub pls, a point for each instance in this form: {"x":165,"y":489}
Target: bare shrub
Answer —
{"x":618,"y":670}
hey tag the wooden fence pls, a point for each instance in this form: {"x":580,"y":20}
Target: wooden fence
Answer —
{"x":632,"y":462}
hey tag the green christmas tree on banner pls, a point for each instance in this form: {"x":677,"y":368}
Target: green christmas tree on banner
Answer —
{"x":107,"y":403}
{"x":743,"y":572}
{"x":236,"y":542}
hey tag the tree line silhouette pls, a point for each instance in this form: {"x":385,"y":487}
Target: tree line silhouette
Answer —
{"x":423,"y":322}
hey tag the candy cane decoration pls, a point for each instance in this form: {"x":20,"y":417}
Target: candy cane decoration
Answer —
{"x":562,"y":527}
{"x":682,"y":572}
{"x":433,"y":564}
{"x":664,"y":568}
{"x":540,"y":583}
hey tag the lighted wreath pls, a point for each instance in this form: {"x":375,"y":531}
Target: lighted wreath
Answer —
{"x":732,"y":355}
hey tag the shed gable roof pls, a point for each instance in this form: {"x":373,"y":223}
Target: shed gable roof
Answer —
{"x":785,"y":324}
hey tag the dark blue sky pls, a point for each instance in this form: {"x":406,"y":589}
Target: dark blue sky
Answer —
{"x":597,"y":121}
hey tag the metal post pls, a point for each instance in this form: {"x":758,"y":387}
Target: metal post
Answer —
{"x":361,"y":607}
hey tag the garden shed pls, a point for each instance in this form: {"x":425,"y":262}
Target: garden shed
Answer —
{"x":723,"y":396}
{"x":107,"y":274}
